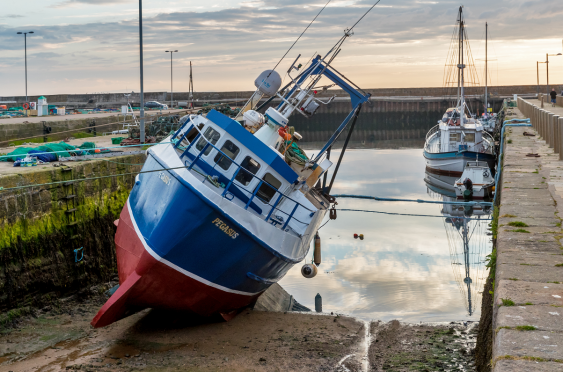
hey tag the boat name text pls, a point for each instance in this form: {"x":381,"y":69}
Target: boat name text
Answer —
{"x":225,"y":228}
{"x":164,"y":178}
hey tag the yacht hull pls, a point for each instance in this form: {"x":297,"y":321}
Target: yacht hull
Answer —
{"x":452,"y":164}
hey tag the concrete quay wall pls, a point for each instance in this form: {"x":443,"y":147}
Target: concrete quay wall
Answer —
{"x":527,"y":319}
{"x":94,"y":99}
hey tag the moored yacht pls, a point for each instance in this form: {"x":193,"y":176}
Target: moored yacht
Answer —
{"x":458,"y":137}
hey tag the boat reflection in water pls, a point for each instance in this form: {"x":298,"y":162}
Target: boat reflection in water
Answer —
{"x":466,"y":229}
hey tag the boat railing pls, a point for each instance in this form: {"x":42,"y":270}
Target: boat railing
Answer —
{"x":252,"y":194}
{"x":434,"y":147}
{"x":431,"y":132}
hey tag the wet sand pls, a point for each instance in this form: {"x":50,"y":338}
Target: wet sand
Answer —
{"x":60,"y":338}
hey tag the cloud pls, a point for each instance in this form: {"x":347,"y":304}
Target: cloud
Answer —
{"x":12,"y":16}
{"x":403,"y":42}
{"x":69,"y":3}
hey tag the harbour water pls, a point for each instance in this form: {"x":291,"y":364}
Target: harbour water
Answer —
{"x":409,"y":268}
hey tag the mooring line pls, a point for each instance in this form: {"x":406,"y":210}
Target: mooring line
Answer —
{"x":412,"y":215}
{"x":413,"y":200}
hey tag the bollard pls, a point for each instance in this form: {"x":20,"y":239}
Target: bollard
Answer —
{"x":560,"y":127}
{"x":542,"y":124}
{"x":541,"y":98}
{"x":556,"y":136}
{"x":550,"y":130}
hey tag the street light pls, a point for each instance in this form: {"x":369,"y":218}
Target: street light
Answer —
{"x":25,"y":48}
{"x":538,"y":72}
{"x":547,"y":67}
{"x":171,"y":86}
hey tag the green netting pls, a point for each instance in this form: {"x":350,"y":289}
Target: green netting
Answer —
{"x":61,"y":149}
{"x":13,"y":156}
{"x":88,"y":146}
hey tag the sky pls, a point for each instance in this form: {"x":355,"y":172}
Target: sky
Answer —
{"x":88,"y":46}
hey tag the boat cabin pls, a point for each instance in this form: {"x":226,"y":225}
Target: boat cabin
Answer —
{"x":233,"y":162}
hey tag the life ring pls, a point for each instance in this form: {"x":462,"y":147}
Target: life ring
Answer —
{"x":26,"y":106}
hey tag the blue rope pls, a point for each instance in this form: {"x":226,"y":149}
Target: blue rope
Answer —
{"x":413,"y":200}
{"x":507,"y":123}
{"x":81,"y":249}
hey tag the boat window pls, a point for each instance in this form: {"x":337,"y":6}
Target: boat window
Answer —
{"x":251,"y":166}
{"x":470,"y":137}
{"x":267,"y":192}
{"x":455,"y":137}
{"x":231,"y":150}
{"x":212,"y":135}
{"x":193,"y":133}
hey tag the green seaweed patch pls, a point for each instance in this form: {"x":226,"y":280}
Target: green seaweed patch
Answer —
{"x":525,"y":328}
{"x":507,"y":302}
{"x":517,"y":224}
{"x":559,"y":265}
{"x":520,"y":231}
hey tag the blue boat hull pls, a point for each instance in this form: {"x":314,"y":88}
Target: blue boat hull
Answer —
{"x":176,"y":249}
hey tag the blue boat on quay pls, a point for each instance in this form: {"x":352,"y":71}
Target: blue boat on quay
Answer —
{"x":219,"y":211}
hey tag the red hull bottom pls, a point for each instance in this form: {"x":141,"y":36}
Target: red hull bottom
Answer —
{"x":146,"y":282}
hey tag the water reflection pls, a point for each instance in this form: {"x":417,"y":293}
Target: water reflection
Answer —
{"x":403,"y":267}
{"x":468,"y":242}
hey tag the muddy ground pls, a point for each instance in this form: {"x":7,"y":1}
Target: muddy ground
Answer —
{"x":422,"y":347}
{"x":60,"y":338}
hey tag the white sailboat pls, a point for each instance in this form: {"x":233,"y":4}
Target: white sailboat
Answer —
{"x":458,"y":137}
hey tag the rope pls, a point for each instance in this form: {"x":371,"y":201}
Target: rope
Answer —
{"x":66,"y":131}
{"x":306,"y":28}
{"x":413,"y":200}
{"x":411,"y":215}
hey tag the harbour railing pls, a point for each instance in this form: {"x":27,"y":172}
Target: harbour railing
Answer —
{"x":279,"y":197}
{"x":547,"y":123}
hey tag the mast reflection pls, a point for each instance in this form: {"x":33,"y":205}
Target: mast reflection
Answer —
{"x":466,"y":230}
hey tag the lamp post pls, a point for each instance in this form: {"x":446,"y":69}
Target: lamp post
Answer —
{"x":171,"y":85}
{"x":25,"y":51}
{"x":538,"y":72}
{"x":547,"y":67}
{"x":142,"y":118}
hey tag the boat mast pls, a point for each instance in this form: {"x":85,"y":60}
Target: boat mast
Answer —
{"x":467,"y":279}
{"x":486,"y":68}
{"x":461,"y":66}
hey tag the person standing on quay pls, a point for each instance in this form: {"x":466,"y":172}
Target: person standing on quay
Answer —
{"x":553,"y":95}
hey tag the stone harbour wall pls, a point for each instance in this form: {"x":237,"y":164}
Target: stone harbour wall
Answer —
{"x":42,"y":226}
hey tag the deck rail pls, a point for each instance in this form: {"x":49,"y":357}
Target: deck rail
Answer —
{"x":278,"y":196}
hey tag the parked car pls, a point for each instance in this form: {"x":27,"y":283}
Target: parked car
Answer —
{"x":155,"y":104}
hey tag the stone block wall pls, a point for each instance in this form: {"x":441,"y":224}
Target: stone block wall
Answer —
{"x":38,"y":239}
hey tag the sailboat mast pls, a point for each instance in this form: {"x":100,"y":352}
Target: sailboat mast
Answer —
{"x":486,"y":68}
{"x":461,"y":67}
{"x":191,"y":87}
{"x":467,"y":279}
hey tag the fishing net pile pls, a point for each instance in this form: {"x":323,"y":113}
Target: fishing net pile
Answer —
{"x":53,"y":151}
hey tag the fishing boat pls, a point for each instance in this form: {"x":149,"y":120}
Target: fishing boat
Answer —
{"x":476,"y":182}
{"x":458,"y":137}
{"x":217,"y":215}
